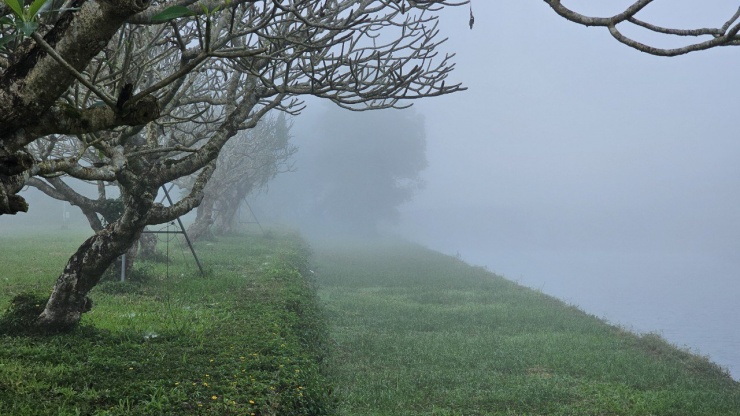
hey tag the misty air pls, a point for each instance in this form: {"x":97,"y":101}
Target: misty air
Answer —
{"x":377,"y":207}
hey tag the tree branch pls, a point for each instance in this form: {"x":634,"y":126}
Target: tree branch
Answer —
{"x":722,"y":36}
{"x":65,"y":119}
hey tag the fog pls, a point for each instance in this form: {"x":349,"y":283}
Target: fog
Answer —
{"x":588,"y":170}
{"x":591,"y":171}
{"x":579,"y":167}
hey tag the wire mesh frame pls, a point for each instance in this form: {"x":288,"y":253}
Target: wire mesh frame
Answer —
{"x":181,"y":231}
{"x":251,"y":211}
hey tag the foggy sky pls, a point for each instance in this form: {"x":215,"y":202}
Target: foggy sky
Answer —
{"x":566,"y":136}
{"x":596,"y":173}
{"x":569,"y":140}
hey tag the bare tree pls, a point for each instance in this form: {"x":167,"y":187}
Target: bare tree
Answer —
{"x":699,"y":39}
{"x":246,"y":164}
{"x":155,"y":91}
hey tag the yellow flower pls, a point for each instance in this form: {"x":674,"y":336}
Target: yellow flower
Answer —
{"x":205,"y":384}
{"x":251,"y":402}
{"x":214,"y":397}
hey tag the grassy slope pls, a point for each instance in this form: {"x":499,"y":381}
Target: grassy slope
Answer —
{"x":420,"y":333}
{"x":245,"y":340}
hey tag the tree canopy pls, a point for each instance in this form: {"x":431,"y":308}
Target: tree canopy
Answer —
{"x":354,"y":171}
{"x":141,"y":93}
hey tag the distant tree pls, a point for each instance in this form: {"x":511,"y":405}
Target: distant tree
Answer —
{"x":701,"y":39}
{"x":358,"y":169}
{"x":156,"y":90}
{"x":246,"y":164}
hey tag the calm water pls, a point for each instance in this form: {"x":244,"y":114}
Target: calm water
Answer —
{"x":691,"y":300}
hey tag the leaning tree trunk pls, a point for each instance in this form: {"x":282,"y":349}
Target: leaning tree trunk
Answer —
{"x":68,"y":300}
{"x":131,"y":255}
{"x":226,"y":218}
{"x":228,"y":209}
{"x":148,"y":246}
{"x":201,"y":227}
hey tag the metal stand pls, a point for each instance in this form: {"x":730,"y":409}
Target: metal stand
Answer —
{"x":256,"y":221}
{"x":181,"y":231}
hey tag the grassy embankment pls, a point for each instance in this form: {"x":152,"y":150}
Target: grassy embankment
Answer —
{"x":245,"y":340}
{"x":415,"y":333}
{"x":420,"y":333}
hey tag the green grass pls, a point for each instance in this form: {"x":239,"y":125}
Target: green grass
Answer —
{"x":246,"y":339}
{"x":413,"y":332}
{"x":420,"y":333}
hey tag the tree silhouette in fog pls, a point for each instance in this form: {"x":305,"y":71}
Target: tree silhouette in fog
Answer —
{"x":354,"y":171}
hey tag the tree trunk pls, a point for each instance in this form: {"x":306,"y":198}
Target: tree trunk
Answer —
{"x":114,"y":270}
{"x":229,"y":207}
{"x":148,"y":246}
{"x":68,"y":300}
{"x":201,"y":228}
{"x":226,"y":218}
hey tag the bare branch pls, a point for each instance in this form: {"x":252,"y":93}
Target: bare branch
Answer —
{"x":724,"y":35}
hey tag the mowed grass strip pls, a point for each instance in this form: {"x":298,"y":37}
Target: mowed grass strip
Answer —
{"x":420,"y":333}
{"x":247,"y":339}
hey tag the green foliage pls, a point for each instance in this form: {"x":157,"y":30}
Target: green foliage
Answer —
{"x":172,"y":12}
{"x":420,"y":333}
{"x":248,"y":339}
{"x":25,"y":20}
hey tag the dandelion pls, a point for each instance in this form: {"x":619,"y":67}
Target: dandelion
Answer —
{"x":251,"y":402}
{"x":214,"y":397}
{"x":205,"y":384}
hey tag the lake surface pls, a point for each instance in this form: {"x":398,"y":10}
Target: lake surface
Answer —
{"x":691,"y":299}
